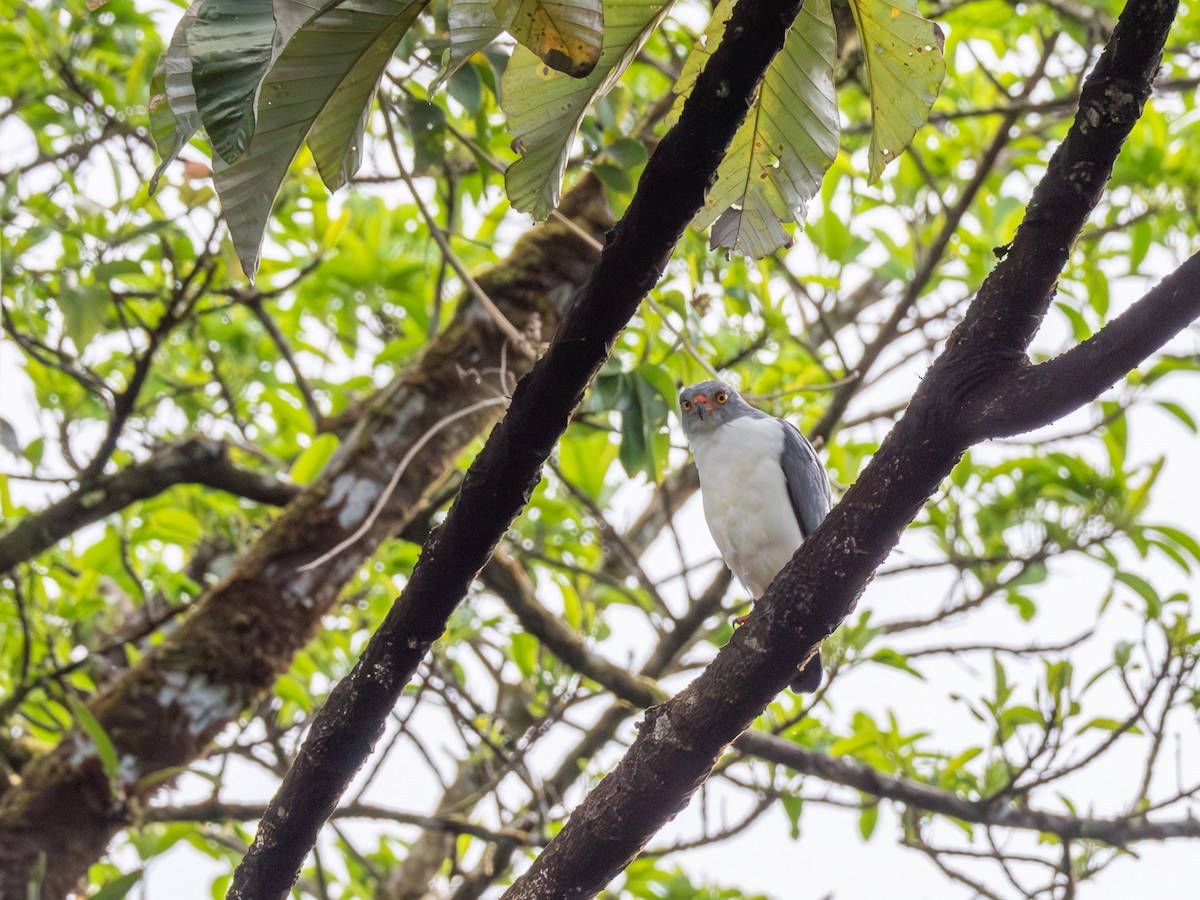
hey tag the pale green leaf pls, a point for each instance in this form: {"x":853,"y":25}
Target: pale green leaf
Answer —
{"x":174,"y":526}
{"x":8,"y":438}
{"x":308,"y":464}
{"x":84,"y":309}
{"x":1180,"y":413}
{"x":473,"y":24}
{"x":545,"y":107}
{"x":789,"y":139}
{"x":1144,"y":589}
{"x":336,"y":139}
{"x":174,"y":117}
{"x":905,"y":68}
{"x":1104,"y":723}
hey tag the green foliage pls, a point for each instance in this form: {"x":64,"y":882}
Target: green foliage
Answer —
{"x":262,"y":78}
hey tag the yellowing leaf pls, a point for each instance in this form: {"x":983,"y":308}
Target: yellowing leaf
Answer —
{"x":905,"y":68}
{"x":567,"y":36}
{"x":545,"y":107}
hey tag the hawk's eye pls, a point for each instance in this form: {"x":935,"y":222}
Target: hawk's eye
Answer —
{"x":722,"y":398}
{"x":686,"y":404}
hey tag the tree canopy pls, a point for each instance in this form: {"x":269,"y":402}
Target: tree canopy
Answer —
{"x":414,"y":496}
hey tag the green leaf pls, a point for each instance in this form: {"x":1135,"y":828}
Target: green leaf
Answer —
{"x":1181,"y":538}
{"x":119,"y":886}
{"x":289,"y":687}
{"x":427,"y":125}
{"x":322,"y":80}
{"x":1103,"y":723}
{"x":105,"y":749}
{"x":473,"y":24}
{"x":84,"y":311}
{"x":230,"y":44}
{"x":467,"y":88}
{"x":1180,"y":413}
{"x":8,"y":438}
{"x":525,"y":652}
{"x":1023,"y":604}
{"x":584,"y":458}
{"x":1144,"y":589}
{"x":789,"y":139}
{"x":888,"y":657}
{"x":545,"y":107}
{"x":311,"y":461}
{"x":905,"y":68}
{"x":793,"y":805}
{"x":174,"y":117}
{"x":868,"y":819}
{"x":174,"y":526}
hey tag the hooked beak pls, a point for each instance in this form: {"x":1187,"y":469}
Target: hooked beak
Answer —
{"x":702,"y":406}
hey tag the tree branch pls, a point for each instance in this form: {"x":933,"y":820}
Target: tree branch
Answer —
{"x":247,"y":629}
{"x":1037,"y":396}
{"x":1013,"y":300}
{"x":195,"y":461}
{"x":850,"y":773}
{"x":213,"y":811}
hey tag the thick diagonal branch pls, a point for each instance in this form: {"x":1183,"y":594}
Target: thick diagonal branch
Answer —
{"x":1031,"y":397}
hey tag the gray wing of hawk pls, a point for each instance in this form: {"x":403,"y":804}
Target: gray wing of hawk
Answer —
{"x":807,"y":483}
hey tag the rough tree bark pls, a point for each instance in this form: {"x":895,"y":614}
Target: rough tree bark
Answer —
{"x":246,"y":630}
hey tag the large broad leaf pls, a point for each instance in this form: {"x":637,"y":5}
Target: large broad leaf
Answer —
{"x":545,"y":107}
{"x":473,"y":24}
{"x":566,"y":36}
{"x":174,"y":108}
{"x":230,"y":45}
{"x":233,"y":44}
{"x":905,"y":68}
{"x":174,"y":117}
{"x":789,"y":139}
{"x":326,"y":75}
